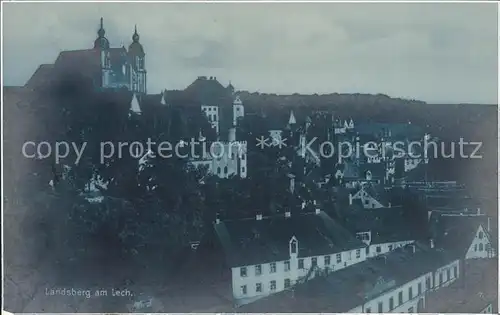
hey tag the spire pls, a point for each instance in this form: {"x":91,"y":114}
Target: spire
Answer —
{"x":291,"y":120}
{"x":135,"y":37}
{"x":101,"y":32}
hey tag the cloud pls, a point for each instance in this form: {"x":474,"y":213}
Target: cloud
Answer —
{"x":434,"y":52}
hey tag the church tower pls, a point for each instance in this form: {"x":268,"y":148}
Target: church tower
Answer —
{"x":137,"y":64}
{"x":102,"y":45}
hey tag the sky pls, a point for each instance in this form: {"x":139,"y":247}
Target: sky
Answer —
{"x":435,"y":52}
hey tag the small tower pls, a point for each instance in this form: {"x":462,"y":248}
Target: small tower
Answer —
{"x":238,"y":110}
{"x":137,"y":59}
{"x":101,"y":41}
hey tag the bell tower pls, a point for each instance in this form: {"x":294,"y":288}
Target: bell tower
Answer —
{"x":137,"y":60}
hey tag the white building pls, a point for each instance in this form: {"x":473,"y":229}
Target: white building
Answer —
{"x":212,"y":114}
{"x":398,"y":282}
{"x":223,"y":158}
{"x":271,"y":254}
{"x":468,"y":234}
{"x":238,"y":110}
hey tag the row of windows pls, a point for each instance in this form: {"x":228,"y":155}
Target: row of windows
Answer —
{"x":259,"y":288}
{"x":482,"y":247}
{"x":210,"y":109}
{"x":212,"y":117}
{"x":226,"y":170}
{"x":314,"y":262}
{"x":392,"y":305}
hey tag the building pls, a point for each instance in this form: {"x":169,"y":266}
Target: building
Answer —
{"x":270,"y":254}
{"x":103,"y":66}
{"x":476,"y":292}
{"x":399,"y":282}
{"x":470,"y":235}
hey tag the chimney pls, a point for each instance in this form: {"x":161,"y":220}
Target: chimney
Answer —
{"x":350,"y":199}
{"x":318,"y":211}
{"x":258,"y":217}
{"x":287,"y":214}
{"x":432,"y":243}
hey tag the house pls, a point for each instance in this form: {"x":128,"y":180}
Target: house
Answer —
{"x":382,"y":230}
{"x":103,"y":66}
{"x":371,"y":197}
{"x":469,"y":235}
{"x":223,"y":158}
{"x":398,"y":282}
{"x":476,"y":292}
{"x":271,"y":254}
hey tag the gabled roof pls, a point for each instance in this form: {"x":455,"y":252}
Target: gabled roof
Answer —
{"x":41,"y":77}
{"x":345,"y":289}
{"x":456,"y":233}
{"x":250,"y":241}
{"x":386,"y":224}
{"x":208,"y":91}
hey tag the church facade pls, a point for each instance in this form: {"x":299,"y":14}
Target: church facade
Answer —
{"x":104,"y":66}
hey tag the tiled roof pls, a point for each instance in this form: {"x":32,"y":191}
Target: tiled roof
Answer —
{"x":456,"y":232}
{"x":249,"y":241}
{"x":345,"y":289}
{"x":386,"y":224}
{"x":208,"y":91}
{"x":41,"y":77}
{"x":85,"y":63}
{"x":471,"y":294}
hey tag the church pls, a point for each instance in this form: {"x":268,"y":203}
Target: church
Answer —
{"x":105,"y":67}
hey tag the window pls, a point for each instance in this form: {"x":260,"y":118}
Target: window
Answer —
{"x":243,"y":271}
{"x":287,"y":283}
{"x":367,"y":201}
{"x":243,"y":169}
{"x":301,"y":263}
{"x":410,"y":310}
{"x":448,"y":274}
{"x":314,"y":261}
{"x":272,"y":267}
{"x":380,"y":307}
{"x":339,"y":257}
{"x":400,"y":297}
{"x":390,"y":247}
{"x":475,"y":247}
{"x":367,"y":250}
{"x":258,"y":287}
{"x":368,"y":310}
{"x":258,"y":270}
{"x":455,"y":271}
{"x":419,"y":289}
{"x":327,"y":260}
{"x":391,"y":304}
{"x":294,"y":247}
{"x":272,"y":286}
{"x":480,"y":247}
{"x":218,"y":170}
{"x":410,"y":293}
{"x":225,"y":169}
{"x":358,"y":253}
{"x":287,"y":265}
{"x":244,"y":289}
{"x":440,"y":278}
{"x":378,"y":249}
{"x":480,"y":234}
{"x":428,"y":283}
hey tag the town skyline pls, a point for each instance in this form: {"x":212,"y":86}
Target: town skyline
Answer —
{"x":309,"y":50}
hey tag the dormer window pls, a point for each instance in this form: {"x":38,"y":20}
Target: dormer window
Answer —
{"x":293,"y":247}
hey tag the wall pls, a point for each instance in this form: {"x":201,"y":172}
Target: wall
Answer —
{"x":408,"y":303}
{"x":478,"y":247}
{"x":348,"y":258}
{"x":386,"y":247}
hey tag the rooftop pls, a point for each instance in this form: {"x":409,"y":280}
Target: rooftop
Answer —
{"x":347,"y":288}
{"x":252,"y":241}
